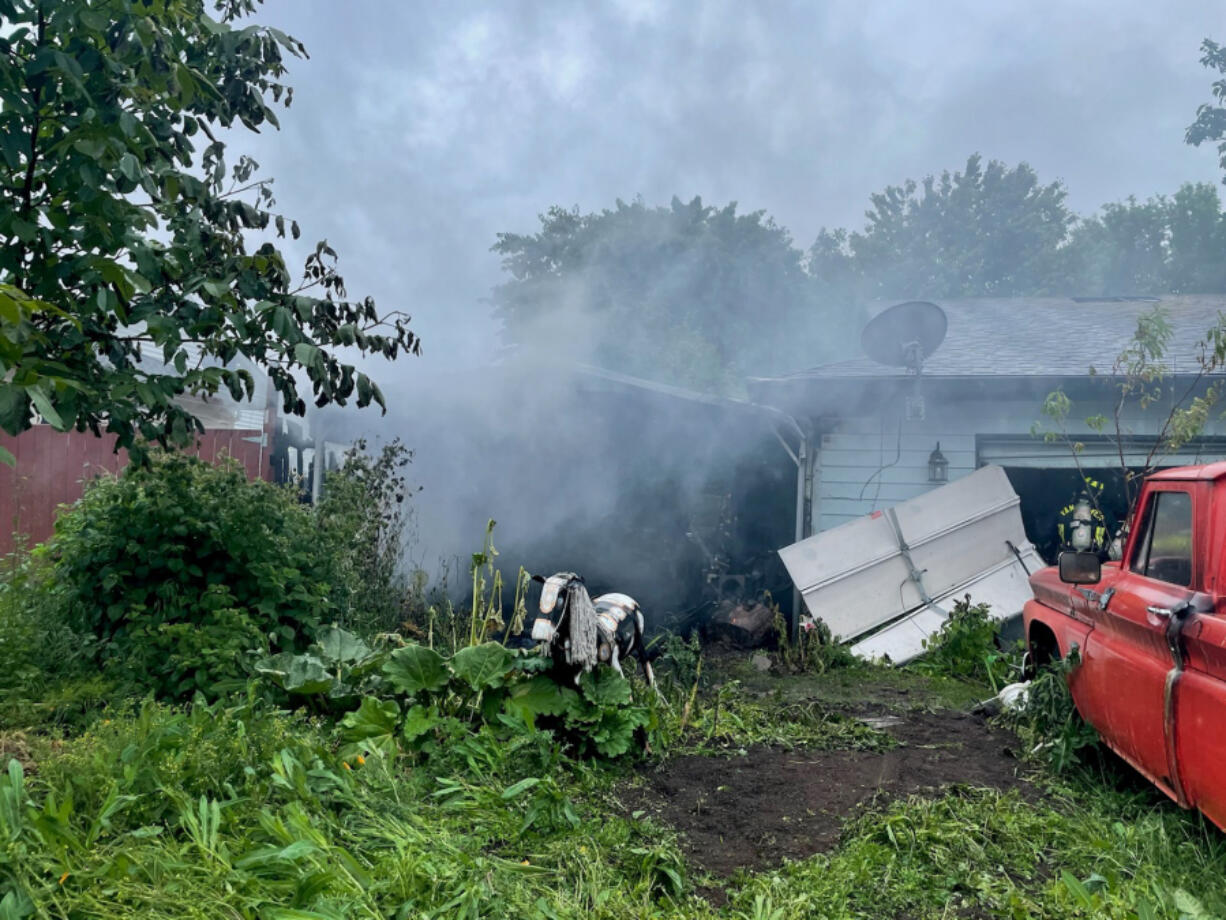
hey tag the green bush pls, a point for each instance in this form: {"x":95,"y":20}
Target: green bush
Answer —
{"x":966,"y":647}
{"x":186,"y":573}
{"x":362,"y":512}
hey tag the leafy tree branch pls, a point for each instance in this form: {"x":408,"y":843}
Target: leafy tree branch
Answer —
{"x":122,"y":209}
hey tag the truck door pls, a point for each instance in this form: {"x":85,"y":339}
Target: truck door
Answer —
{"x":1122,"y":687}
{"x":1200,"y":713}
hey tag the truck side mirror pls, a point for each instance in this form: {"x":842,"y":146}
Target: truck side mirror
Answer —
{"x":1080,"y":568}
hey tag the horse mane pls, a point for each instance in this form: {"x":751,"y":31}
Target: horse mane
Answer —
{"x":584,"y":628}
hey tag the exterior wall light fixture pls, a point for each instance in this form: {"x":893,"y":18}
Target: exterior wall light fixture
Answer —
{"x":938,"y":466}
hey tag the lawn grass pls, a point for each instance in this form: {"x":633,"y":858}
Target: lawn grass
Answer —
{"x":236,"y":810}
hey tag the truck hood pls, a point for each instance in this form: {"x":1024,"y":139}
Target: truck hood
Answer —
{"x":1050,"y":590}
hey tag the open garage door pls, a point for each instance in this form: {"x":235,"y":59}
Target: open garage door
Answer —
{"x":1013,"y":451}
{"x":1047,"y":480}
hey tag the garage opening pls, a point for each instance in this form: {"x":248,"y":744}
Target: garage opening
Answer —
{"x":1044,"y":493}
{"x":1047,"y":480}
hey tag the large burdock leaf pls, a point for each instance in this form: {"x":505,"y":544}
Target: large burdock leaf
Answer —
{"x":604,"y":687}
{"x":483,"y":666}
{"x":418,"y":721}
{"x":614,"y":734}
{"x":536,"y":697}
{"x":301,"y":674}
{"x":307,"y":675}
{"x":415,"y":668}
{"x":373,"y":718}
{"x":339,"y":645}
{"x":275,"y":667}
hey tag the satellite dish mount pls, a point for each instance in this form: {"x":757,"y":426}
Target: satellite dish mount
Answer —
{"x":905,"y":335}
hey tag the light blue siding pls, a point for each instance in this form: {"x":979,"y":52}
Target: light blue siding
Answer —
{"x":872,"y":462}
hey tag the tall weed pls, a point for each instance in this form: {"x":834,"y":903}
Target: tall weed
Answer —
{"x":966,"y":647}
{"x":362,"y":514}
{"x":1048,"y":721}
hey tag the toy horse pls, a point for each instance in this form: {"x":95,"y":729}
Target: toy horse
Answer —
{"x":582,"y":632}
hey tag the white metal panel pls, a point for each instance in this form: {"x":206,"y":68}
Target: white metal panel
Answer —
{"x":1005,"y":589}
{"x":856,"y":578}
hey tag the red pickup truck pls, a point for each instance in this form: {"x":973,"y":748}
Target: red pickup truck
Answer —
{"x":1150,"y":631}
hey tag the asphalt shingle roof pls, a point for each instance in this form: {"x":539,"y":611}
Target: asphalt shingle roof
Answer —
{"x":1042,"y":337}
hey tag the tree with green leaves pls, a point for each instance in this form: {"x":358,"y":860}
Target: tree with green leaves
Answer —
{"x":1140,"y":380}
{"x":987,"y":231}
{"x":687,"y":293}
{"x":1210,"y":122}
{"x":1163,"y":245}
{"x":137,"y":262}
{"x":1158,"y":246}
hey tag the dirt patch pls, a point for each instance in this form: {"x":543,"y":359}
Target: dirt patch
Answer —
{"x":754,"y":810}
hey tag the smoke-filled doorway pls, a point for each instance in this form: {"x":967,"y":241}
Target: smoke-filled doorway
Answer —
{"x":1046,"y":494}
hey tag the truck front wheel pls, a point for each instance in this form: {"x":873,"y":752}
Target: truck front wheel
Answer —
{"x":1043,"y":648}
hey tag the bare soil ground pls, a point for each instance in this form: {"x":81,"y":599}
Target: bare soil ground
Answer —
{"x":753,"y":810}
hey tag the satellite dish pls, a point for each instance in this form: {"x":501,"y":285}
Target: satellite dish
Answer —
{"x":905,"y":334}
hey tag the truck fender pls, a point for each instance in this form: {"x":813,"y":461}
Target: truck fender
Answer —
{"x":1051,"y":634}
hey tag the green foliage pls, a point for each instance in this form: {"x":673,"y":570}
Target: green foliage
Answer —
{"x":1157,"y":246}
{"x":733,"y":719}
{"x":186,"y":572}
{"x":1163,"y":245}
{"x":482,"y":666}
{"x":1141,"y":380}
{"x":1210,"y":123}
{"x":1086,"y":853}
{"x":236,"y":810}
{"x":331,"y":675}
{"x":686,"y":293}
{"x":679,"y":663}
{"x":416,"y":668}
{"x":485,"y":613}
{"x":46,"y":669}
{"x":363,"y":513}
{"x":966,"y":647}
{"x":815,"y":650}
{"x":123,"y":209}
{"x":1048,"y":722}
{"x":23,"y":346}
{"x":985,"y":231}
{"x":415,"y":696}
{"x":677,"y":293}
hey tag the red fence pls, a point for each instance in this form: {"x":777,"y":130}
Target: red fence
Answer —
{"x":52,"y":468}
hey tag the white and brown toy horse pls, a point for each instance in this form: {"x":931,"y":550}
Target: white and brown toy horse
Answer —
{"x":583,"y":632}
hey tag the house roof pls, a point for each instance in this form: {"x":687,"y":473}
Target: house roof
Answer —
{"x":1032,"y":337}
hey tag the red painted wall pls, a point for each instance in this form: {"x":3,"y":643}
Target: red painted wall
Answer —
{"x":52,"y":467}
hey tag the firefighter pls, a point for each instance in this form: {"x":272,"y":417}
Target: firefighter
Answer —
{"x":1081,"y":524}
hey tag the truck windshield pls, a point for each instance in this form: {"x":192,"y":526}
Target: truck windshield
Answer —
{"x":1164,"y":551}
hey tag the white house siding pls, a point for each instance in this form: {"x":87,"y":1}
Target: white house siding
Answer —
{"x":872,"y":462}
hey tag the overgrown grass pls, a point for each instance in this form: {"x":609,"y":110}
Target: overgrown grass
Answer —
{"x":213,"y":811}
{"x":729,"y":719}
{"x":222,"y":812}
{"x":1089,"y":853}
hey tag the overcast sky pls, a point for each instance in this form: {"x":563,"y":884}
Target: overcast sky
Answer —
{"x":420,"y":130}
